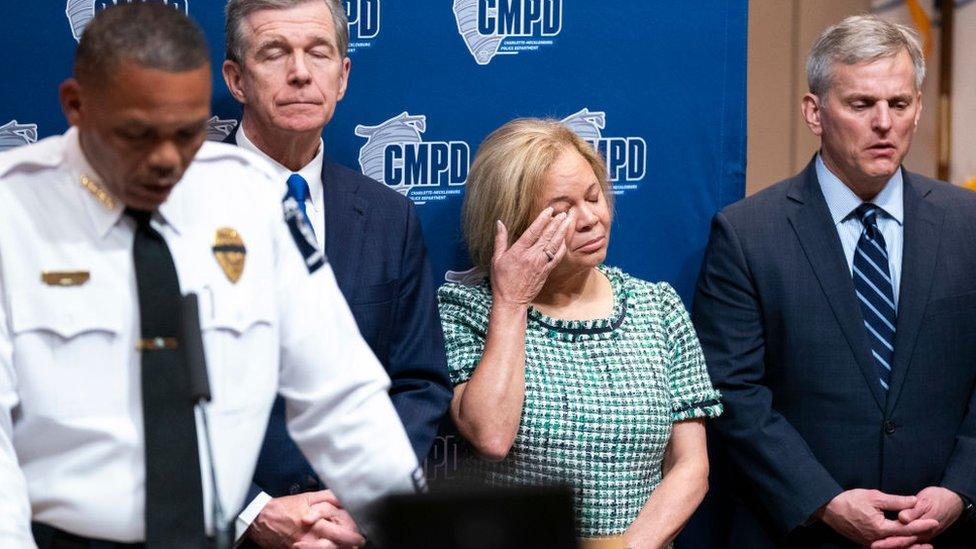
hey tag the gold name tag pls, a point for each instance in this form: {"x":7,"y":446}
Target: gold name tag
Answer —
{"x":65,"y":278}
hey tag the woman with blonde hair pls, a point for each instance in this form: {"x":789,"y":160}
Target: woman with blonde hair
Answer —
{"x":567,"y":371}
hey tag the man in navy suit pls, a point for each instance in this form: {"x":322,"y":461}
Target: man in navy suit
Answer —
{"x":837,"y":311}
{"x":287,"y":64}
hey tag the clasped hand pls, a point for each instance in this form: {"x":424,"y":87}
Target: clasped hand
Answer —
{"x":859,"y":516}
{"x":519,"y":271}
{"x":313,"y":519}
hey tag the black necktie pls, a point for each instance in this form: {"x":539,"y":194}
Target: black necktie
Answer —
{"x":174,"y":496}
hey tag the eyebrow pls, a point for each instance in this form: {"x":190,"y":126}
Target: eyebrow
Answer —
{"x":281,"y":42}
{"x":871,"y":98}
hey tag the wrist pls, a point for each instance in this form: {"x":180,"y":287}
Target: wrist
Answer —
{"x":501,"y":305}
{"x":968,"y":514}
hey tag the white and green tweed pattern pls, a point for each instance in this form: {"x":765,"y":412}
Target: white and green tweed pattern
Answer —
{"x":600,"y":395}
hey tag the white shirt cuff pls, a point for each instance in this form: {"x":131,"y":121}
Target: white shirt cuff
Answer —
{"x":248,"y":515}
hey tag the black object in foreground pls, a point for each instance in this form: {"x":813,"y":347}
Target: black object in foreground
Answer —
{"x":479,"y":518}
{"x":199,"y":393}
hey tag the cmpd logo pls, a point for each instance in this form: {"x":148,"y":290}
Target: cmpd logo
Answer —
{"x":397,"y":154}
{"x":219,"y":128}
{"x":507,"y":27}
{"x":364,"y":23}
{"x":626,"y":157}
{"x":13,"y":134}
{"x":81,"y":12}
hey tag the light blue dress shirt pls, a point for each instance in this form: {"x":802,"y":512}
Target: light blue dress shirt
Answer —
{"x":841,"y":201}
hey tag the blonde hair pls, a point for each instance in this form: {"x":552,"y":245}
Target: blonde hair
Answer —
{"x":507,"y":177}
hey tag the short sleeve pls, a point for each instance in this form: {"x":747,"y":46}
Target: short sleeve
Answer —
{"x":692,"y":393}
{"x":464,"y":316}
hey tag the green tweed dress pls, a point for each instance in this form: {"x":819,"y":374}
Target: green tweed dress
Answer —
{"x":600,"y":395}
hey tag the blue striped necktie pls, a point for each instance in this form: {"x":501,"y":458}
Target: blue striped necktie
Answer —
{"x":872,"y":284}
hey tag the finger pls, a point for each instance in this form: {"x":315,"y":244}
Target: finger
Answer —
{"x":558,"y":256}
{"x":922,"y":526}
{"x":896,"y":542}
{"x":570,"y":226}
{"x":317,"y":512}
{"x":326,"y":496}
{"x":501,"y":239}
{"x":908,"y":515}
{"x":550,"y":231}
{"x":532,"y":234}
{"x":335,"y":533}
{"x":915,"y":528}
{"x":315,"y":544}
{"x":345,"y":520}
{"x":890,"y":502}
{"x":922,"y":546}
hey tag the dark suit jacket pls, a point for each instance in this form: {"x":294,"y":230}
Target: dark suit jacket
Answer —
{"x":374,"y":244}
{"x":783,"y":336}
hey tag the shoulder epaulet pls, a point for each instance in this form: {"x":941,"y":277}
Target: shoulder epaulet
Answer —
{"x":213,"y":151}
{"x":46,"y":153}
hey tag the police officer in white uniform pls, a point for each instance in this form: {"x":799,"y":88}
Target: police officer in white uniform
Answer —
{"x":87,"y":220}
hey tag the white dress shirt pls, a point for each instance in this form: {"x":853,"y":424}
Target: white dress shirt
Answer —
{"x":311,"y":172}
{"x":841,"y":201}
{"x":71,"y":430}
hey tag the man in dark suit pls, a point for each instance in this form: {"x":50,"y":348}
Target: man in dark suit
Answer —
{"x":287,"y":64}
{"x":837,"y":311}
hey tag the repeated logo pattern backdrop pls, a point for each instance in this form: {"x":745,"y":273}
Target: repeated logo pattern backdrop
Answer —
{"x":658,"y":87}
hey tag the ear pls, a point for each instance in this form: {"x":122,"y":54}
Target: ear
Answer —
{"x":69,"y":94}
{"x":918,"y":112}
{"x":233,"y":77}
{"x":812,"y":110}
{"x":344,"y":79}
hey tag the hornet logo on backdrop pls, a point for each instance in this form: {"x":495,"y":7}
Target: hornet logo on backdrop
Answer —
{"x":14,"y":134}
{"x":364,"y":22}
{"x":218,"y":128}
{"x":626,"y":156}
{"x":81,"y":12}
{"x":396,"y":154}
{"x":507,"y":27}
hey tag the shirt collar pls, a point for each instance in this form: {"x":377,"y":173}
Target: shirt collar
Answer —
{"x":311,"y":172}
{"x":841,"y":200}
{"x":106,"y":210}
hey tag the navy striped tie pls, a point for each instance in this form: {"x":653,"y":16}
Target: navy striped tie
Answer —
{"x":872,"y":284}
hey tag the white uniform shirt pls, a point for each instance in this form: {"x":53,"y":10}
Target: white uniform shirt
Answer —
{"x":311,"y":172}
{"x":71,"y":430}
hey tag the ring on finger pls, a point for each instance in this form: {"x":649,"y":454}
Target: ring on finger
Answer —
{"x":549,"y":254}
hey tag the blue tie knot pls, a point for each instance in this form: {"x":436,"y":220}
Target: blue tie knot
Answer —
{"x":298,"y":189}
{"x":867,"y":213}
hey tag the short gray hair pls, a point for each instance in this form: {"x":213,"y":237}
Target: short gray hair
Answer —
{"x":859,"y":39}
{"x":237,"y":11}
{"x":151,"y":35}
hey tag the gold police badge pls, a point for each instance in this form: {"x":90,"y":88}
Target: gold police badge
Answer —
{"x":230,"y":252}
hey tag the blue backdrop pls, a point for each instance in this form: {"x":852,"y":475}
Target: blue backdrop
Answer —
{"x":658,"y":86}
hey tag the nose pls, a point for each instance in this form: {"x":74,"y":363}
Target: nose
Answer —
{"x":299,"y":74}
{"x":164,"y":158}
{"x":882,"y":117}
{"x":585,"y":218}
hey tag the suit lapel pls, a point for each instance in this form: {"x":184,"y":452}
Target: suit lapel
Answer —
{"x":345,"y":218}
{"x":818,"y":237}
{"x":922,"y":235}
